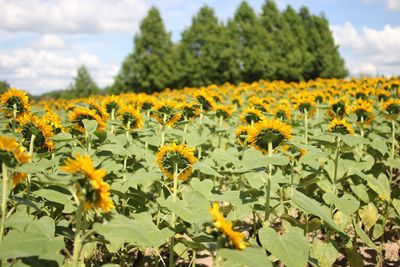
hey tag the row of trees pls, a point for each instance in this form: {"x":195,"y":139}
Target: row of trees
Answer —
{"x":273,"y":45}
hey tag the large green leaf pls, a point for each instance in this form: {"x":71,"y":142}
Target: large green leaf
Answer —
{"x":251,"y":257}
{"x":314,"y":207}
{"x":325,"y":253}
{"x":346,"y":203}
{"x":291,"y":249}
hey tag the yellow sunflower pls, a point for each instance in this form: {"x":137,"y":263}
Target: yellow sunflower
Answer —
{"x":363,"y":111}
{"x":112,"y":104}
{"x":77,"y":116}
{"x":391,"y":107}
{"x":18,"y":177}
{"x":340,"y":126}
{"x":180,"y":156}
{"x":282,"y":112}
{"x":338,"y":108}
{"x":236,"y":238}
{"x":223,"y":111}
{"x":167,"y":110}
{"x":96,"y":191}
{"x":100,"y":110}
{"x":11,"y":153}
{"x":54,"y":121}
{"x":190,"y":110}
{"x":206,"y":101}
{"x":382,"y":94}
{"x":145,"y":102}
{"x":15,"y":98}
{"x":251,"y":115}
{"x":237,"y":100}
{"x":31,"y":125}
{"x":272,"y":131}
{"x":241,"y":133}
{"x":131,"y":116}
{"x":305,"y":103}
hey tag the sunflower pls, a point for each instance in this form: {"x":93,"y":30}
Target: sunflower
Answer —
{"x":251,"y":115}
{"x":145,"y":102}
{"x":100,"y":110}
{"x":111,"y":104}
{"x":11,"y":153}
{"x":236,"y":238}
{"x":18,"y":177}
{"x":15,"y":98}
{"x":223,"y":111}
{"x":268,"y":131}
{"x":131,"y":116}
{"x":241,"y":133}
{"x":338,"y":108}
{"x":237,"y":100}
{"x":282,"y":112}
{"x":190,"y":110}
{"x":172,"y":155}
{"x":79,"y":114}
{"x":382,"y":95}
{"x":95,"y":191}
{"x":207,"y":103}
{"x":258,"y":103}
{"x":54,"y":121}
{"x":340,"y":126}
{"x":391,"y":107}
{"x":363,"y":111}
{"x":305,"y":103}
{"x":166,"y":110}
{"x":31,"y":125}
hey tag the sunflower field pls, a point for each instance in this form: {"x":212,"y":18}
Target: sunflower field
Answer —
{"x":261,"y":174}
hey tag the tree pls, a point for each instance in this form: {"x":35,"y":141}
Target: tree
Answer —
{"x":300,"y":57}
{"x":202,"y":51}
{"x":253,"y":46}
{"x":326,"y":61}
{"x":83,"y":85}
{"x":4,"y":86}
{"x":150,"y":66}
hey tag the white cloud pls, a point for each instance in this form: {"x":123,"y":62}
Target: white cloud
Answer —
{"x":369,"y":51}
{"x":71,"y":16}
{"x":393,"y":5}
{"x":49,"y":41}
{"x":38,"y":70}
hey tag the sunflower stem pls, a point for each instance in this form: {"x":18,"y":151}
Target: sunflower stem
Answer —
{"x":173,"y":216}
{"x":163,"y":129}
{"x":78,"y":235}
{"x":306,"y":127}
{"x":185,"y":131}
{"x":88,"y":145}
{"x":393,"y":152}
{"x":112,"y":118}
{"x":28,"y":189}
{"x":4,"y":200}
{"x":220,"y":133}
{"x":267,"y":185}
{"x":362,"y":135}
{"x":337,"y":156}
{"x":14,"y":117}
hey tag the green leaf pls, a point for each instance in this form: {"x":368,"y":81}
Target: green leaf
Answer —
{"x":90,"y":125}
{"x":291,"y":249}
{"x":380,"y":185}
{"x":251,"y":257}
{"x":193,"y":208}
{"x":325,"y":253}
{"x":354,"y":258}
{"x":380,"y":145}
{"x":314,"y":207}
{"x":396,"y":205}
{"x":205,"y":168}
{"x":115,"y":149}
{"x":364,"y":237}
{"x":346,"y":203}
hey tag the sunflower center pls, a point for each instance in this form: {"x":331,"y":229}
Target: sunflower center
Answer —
{"x":129,"y":118}
{"x":269,"y":136}
{"x":341,"y":129}
{"x":281,"y":114}
{"x":172,"y":158}
{"x":30,"y":129}
{"x":112,"y":106}
{"x":14,"y":100}
{"x":305,"y":107}
{"x":339,"y":108}
{"x":393,"y":109}
{"x":167,"y":111}
{"x":204,"y":103}
{"x":252,"y":118}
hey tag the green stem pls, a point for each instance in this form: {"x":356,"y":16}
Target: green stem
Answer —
{"x":306,"y":127}
{"x":14,"y":117}
{"x":220,"y":133}
{"x":112,"y":118}
{"x":88,"y":143}
{"x":163,"y":130}
{"x":184,"y":131}
{"x":173,"y":216}
{"x":4,"y":201}
{"x":78,"y":236}
{"x":267,"y":185}
{"x":28,"y":189}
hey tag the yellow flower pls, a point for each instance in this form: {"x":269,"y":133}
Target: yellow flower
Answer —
{"x":237,"y":100}
{"x":241,"y":133}
{"x":18,"y":177}
{"x":131,"y":115}
{"x":11,"y":153}
{"x":207,"y":103}
{"x":79,"y":114}
{"x":340,"y":126}
{"x":392,"y":107}
{"x":54,"y":121}
{"x":268,"y":131}
{"x":112,"y":104}
{"x":190,"y":110}
{"x":96,"y":191}
{"x":180,"y":156}
{"x":32,"y":125}
{"x":167,"y":110}
{"x":282,"y":112}
{"x":251,"y":115}
{"x":15,"y":97}
{"x":100,"y":110}
{"x":223,"y":111}
{"x":305,"y":103}
{"x":338,"y":108}
{"x":363,"y":111}
{"x":145,"y":102}
{"x":226,"y":227}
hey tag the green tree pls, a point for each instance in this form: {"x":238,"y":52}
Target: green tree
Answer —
{"x":204,"y":52}
{"x":83,"y":85}
{"x":326,"y":61}
{"x":300,"y":57}
{"x":4,"y":86}
{"x":150,"y":66}
{"x":252,"y":46}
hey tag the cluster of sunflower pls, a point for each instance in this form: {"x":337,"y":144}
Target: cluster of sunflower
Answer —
{"x":89,"y":184}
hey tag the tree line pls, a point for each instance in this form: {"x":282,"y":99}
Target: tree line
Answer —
{"x":273,"y":45}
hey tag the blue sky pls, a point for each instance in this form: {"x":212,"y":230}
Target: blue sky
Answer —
{"x":42,"y":42}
